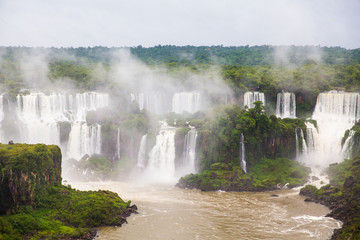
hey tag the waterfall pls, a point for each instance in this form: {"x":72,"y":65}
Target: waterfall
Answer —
{"x":141,"y":161}
{"x":286,"y":105}
{"x":242,"y":153}
{"x":300,"y":138}
{"x":348,"y":145}
{"x":251,"y":97}
{"x":152,"y":102}
{"x":189,"y":152}
{"x":84,"y":139}
{"x":40,"y":116}
{"x":186,"y":102}
{"x":335,"y":112}
{"x":57,"y":107}
{"x":312,"y":138}
{"x":117,"y":150}
{"x":161,"y":164}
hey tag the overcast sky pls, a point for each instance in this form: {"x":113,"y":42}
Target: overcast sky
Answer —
{"x":64,"y":23}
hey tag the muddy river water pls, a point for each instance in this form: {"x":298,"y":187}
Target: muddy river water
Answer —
{"x":167,"y":212}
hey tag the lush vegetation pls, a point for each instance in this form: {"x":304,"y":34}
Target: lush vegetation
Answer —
{"x":269,"y":142}
{"x":62,"y":212}
{"x":39,"y":207}
{"x":341,"y":196}
{"x":264,"y":136}
{"x":268,"y":174}
{"x":23,"y":167}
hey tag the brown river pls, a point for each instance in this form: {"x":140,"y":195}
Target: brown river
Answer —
{"x":167,"y":212}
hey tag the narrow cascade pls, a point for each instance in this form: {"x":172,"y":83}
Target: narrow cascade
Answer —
{"x":286,"y":105}
{"x":186,"y":102}
{"x":189,"y":152}
{"x":348,"y":145}
{"x":84,"y":139}
{"x":161,"y":165}
{"x":251,"y":97}
{"x":117,"y":150}
{"x":301,"y":149}
{"x":335,"y":112}
{"x":152,"y":102}
{"x":141,"y":161}
{"x":312,"y":138}
{"x":242,"y":153}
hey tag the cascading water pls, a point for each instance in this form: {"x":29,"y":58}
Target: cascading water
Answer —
{"x":117,"y":150}
{"x":242,"y":153}
{"x":83,"y":139}
{"x":153,"y":102}
{"x":348,"y":145}
{"x":186,"y":102}
{"x":251,"y":97}
{"x":40,"y":116}
{"x":312,"y":138}
{"x":189,"y":152}
{"x":286,"y":105}
{"x":161,"y":164}
{"x":141,"y":161}
{"x":335,"y":112}
{"x":301,"y":149}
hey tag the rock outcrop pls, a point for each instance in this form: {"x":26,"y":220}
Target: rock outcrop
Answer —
{"x":23,"y":167}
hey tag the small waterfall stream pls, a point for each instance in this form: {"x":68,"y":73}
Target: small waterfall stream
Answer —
{"x":251,"y":97}
{"x":189,"y":152}
{"x":286,"y":105}
{"x":117,"y":150}
{"x":242,"y":153}
{"x":142,"y":152}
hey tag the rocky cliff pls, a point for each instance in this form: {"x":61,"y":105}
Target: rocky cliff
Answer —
{"x":23,"y":167}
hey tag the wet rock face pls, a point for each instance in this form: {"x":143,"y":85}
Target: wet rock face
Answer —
{"x":23,"y":167}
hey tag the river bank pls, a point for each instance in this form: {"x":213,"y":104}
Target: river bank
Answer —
{"x":341,"y":196}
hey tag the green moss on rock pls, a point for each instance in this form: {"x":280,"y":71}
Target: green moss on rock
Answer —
{"x":23,"y":167}
{"x":268,"y":174}
{"x":39,"y":207}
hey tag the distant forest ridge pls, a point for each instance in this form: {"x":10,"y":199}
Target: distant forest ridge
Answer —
{"x":214,"y":55}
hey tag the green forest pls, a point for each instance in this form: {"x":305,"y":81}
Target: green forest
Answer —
{"x":306,"y":70}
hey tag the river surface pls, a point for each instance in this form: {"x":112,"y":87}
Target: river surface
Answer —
{"x":167,"y":212}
